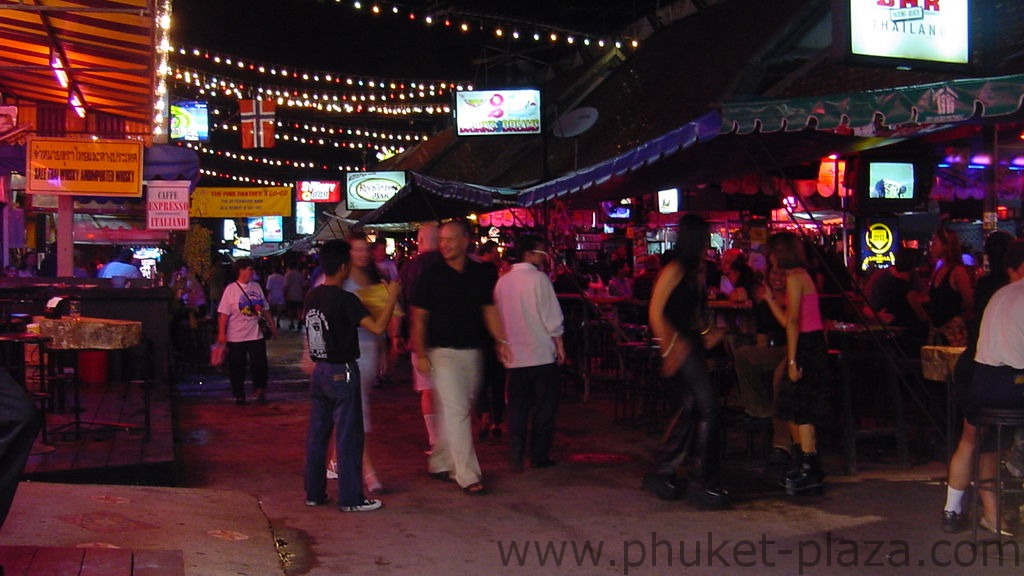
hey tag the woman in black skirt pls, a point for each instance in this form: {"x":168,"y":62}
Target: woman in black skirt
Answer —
{"x":804,"y":400}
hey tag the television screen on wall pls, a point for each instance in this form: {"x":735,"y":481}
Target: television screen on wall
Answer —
{"x":892,"y":185}
{"x":497,"y":112}
{"x":190,"y":121}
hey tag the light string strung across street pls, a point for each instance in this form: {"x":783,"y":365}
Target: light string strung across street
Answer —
{"x":272,"y":162}
{"x":466,"y":21}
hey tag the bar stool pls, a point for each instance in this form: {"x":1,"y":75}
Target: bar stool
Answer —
{"x":987,"y":420}
{"x":12,"y":350}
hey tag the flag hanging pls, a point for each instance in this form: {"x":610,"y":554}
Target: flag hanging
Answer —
{"x":257,"y":123}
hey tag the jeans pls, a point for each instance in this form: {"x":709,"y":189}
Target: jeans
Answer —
{"x":456,"y":373}
{"x":694,"y":424}
{"x":337,"y":405}
{"x":538,"y":387}
{"x":256,"y":353}
{"x":19,"y":423}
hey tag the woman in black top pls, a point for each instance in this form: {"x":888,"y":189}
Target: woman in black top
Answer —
{"x":676,"y":318}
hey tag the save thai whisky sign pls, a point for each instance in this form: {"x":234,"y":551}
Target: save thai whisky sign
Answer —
{"x":68,"y":166}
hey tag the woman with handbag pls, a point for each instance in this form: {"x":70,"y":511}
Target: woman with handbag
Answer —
{"x":244,"y":323}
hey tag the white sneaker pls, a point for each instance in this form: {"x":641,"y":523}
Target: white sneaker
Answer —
{"x":367,"y":506}
{"x":332,"y":470}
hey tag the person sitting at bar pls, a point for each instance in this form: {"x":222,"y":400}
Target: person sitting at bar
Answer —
{"x":998,"y":375}
{"x":889,"y":295}
{"x":621,"y":283}
{"x":765,"y":357}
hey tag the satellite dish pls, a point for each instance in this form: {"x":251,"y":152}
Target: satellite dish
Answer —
{"x":575,"y":123}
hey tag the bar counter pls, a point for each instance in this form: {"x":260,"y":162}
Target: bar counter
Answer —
{"x":151,"y":306}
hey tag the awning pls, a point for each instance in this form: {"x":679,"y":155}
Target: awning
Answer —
{"x":938,"y":103}
{"x":704,"y":128}
{"x":425,"y":198}
{"x":97,"y":229}
{"x":106,"y":46}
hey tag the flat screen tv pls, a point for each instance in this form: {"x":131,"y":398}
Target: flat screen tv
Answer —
{"x":892,"y":185}
{"x":190,"y":121}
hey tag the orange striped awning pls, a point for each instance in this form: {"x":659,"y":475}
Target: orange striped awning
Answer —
{"x":107,"y":46}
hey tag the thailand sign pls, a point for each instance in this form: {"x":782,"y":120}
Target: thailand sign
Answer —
{"x":928,"y":30}
{"x":236,"y":202}
{"x":167,"y":205}
{"x":487,"y":112}
{"x":67,"y":166}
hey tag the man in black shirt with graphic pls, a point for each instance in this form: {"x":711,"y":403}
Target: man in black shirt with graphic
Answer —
{"x":452,"y":313}
{"x":332,"y":315}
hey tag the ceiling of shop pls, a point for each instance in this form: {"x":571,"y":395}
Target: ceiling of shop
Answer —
{"x":107,"y":47}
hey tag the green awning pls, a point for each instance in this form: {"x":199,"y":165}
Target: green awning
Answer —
{"x":938,"y":103}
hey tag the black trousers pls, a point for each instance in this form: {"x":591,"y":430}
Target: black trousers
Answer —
{"x":241,"y":356}
{"x":19,"y":424}
{"x":539,"y":388}
{"x":694,"y":425}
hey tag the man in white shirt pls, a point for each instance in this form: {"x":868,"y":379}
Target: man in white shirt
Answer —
{"x":533,"y":319}
{"x":121,"y":265}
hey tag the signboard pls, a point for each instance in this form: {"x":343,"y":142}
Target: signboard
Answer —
{"x":369,"y":190}
{"x":167,"y":205}
{"x":190,"y":121}
{"x":879,"y":244}
{"x":318,"y":191}
{"x":487,"y":112}
{"x":238,"y":202}
{"x":305,"y":218}
{"x":923,"y":30}
{"x":84,"y":167}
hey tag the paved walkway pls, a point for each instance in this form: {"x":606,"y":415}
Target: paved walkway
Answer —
{"x":242,"y":509}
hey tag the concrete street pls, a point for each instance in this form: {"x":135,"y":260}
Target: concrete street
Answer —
{"x":241,"y":510}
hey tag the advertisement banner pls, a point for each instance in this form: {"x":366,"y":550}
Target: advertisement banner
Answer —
{"x":167,"y":205}
{"x":488,"y":112}
{"x":370,"y":190}
{"x":238,"y":202}
{"x":68,"y":166}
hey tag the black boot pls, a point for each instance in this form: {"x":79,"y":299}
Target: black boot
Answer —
{"x":810,"y":478}
{"x":794,"y":470}
{"x":664,"y":486}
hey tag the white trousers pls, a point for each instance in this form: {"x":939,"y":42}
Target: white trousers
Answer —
{"x":457,"y":374}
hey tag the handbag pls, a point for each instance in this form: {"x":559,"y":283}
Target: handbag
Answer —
{"x":265,"y":330}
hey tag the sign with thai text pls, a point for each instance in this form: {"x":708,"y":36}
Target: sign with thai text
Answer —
{"x":167,"y":205}
{"x":68,"y":166}
{"x":238,"y":202}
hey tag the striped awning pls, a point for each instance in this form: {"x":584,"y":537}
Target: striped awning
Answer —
{"x":106,"y":47}
{"x":936,"y":103}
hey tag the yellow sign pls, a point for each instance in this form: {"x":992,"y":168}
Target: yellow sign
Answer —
{"x":879,"y":240}
{"x":84,"y":167}
{"x":234,"y":202}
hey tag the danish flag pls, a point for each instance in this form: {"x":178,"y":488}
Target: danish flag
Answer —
{"x":257,"y":123}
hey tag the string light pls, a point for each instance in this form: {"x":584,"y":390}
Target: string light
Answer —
{"x":496,"y":24}
{"x":271,"y":162}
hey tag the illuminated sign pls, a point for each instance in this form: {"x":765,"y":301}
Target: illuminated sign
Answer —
{"x":878,"y":246}
{"x":928,"y":30}
{"x":167,"y":204}
{"x":668,"y":201}
{"x":369,"y":190}
{"x":240,"y":202}
{"x":487,"y":112}
{"x":87,"y":167}
{"x":318,"y":191}
{"x":190,"y":121}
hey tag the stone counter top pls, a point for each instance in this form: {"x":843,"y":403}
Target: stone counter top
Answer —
{"x":85,"y":333}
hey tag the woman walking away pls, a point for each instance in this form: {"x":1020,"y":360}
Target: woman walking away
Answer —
{"x":677,"y":321}
{"x":803,"y":400}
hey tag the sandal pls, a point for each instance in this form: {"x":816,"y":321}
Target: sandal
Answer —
{"x":475,"y":489}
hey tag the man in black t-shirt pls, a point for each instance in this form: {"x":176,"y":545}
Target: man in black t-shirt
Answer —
{"x":332,"y":315}
{"x":452,"y":314}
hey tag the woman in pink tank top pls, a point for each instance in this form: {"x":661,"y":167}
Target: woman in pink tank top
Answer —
{"x":803,"y":400}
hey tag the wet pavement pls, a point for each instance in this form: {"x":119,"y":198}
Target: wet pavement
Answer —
{"x":241,"y":507}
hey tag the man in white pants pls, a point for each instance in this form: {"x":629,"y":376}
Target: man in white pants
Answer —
{"x":452,"y":312}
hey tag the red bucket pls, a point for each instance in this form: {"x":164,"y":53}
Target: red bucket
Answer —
{"x":92,"y":366}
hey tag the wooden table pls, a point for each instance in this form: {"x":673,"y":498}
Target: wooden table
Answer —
{"x":84,"y":334}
